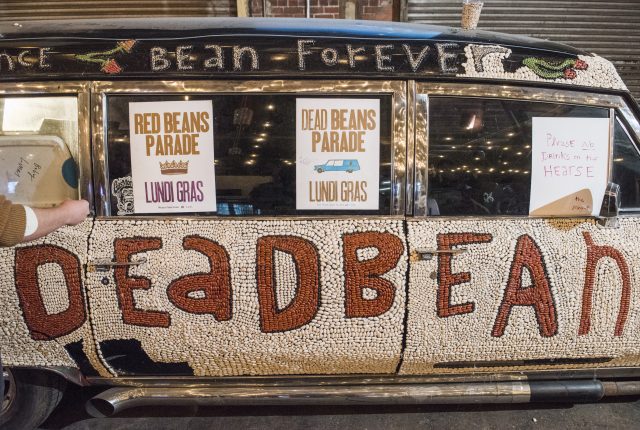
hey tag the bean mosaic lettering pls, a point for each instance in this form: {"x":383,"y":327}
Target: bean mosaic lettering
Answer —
{"x":219,"y":56}
{"x":326,"y":296}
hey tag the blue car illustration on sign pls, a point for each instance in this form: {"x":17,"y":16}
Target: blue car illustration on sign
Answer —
{"x":348,"y":166}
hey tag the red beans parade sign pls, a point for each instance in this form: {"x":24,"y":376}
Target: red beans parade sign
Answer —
{"x":172,"y":161}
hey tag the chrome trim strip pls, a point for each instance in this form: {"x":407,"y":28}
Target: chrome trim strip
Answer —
{"x":116,"y":400}
{"x":502,"y":217}
{"x":397,"y":90}
{"x":521,"y":93}
{"x":300,"y":380}
{"x":84,"y":145}
{"x":612,"y":128}
{"x":422,"y":155}
{"x":251,"y":218}
{"x":474,"y":375}
{"x":100,"y":160}
{"x":411,"y":145}
{"x":81,"y":90}
{"x":241,"y":86}
{"x":399,"y":149}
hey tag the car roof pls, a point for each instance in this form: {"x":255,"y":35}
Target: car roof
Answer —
{"x":169,"y":28}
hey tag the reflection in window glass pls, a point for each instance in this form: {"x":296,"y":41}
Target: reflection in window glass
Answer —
{"x":626,"y":168}
{"x":255,"y":153}
{"x":38,"y":149}
{"x":480,"y":153}
{"x":28,"y":114}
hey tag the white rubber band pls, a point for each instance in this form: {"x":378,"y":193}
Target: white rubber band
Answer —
{"x":32,"y":221}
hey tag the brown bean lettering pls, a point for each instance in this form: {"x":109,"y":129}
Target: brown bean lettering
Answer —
{"x":367,"y":274}
{"x":447,"y":279}
{"x":41,"y":324}
{"x":304,"y":305}
{"x":538,"y":295}
{"x":126,"y":284}
{"x":216,"y":285}
{"x":594,"y":254}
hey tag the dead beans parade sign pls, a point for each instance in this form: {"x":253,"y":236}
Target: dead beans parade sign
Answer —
{"x":337,"y":153}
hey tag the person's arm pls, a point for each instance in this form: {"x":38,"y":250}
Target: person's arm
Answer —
{"x":12,"y":222}
{"x":69,"y":212}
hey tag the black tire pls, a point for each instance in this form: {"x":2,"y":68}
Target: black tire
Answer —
{"x":29,"y":399}
{"x":319,"y":170}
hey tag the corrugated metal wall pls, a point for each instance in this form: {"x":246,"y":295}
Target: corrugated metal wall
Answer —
{"x":21,"y":10}
{"x":608,"y":28}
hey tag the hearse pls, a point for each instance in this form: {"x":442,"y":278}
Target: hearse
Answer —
{"x":485,"y":249}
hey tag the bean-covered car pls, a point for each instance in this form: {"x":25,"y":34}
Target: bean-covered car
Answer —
{"x":473,"y":236}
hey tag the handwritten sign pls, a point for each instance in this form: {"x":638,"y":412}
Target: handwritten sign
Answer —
{"x":172,"y":163}
{"x":337,"y":153}
{"x":569,"y":165}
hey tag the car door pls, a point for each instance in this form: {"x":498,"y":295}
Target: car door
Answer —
{"x":492,"y":287}
{"x":256,"y":286}
{"x":44,"y":156}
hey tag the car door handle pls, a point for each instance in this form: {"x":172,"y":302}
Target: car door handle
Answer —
{"x":106,"y":265}
{"x":427,"y":254}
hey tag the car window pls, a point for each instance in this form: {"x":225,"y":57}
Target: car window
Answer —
{"x":39,"y":149}
{"x":626,"y":168}
{"x":255,"y":153}
{"x":480,"y":153}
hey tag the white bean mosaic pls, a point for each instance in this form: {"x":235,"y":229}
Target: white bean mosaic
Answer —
{"x":329,"y":343}
{"x":441,"y":343}
{"x":470,"y":327}
{"x":19,"y":348}
{"x":487,"y":61}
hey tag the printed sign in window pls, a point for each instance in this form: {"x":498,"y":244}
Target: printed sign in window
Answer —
{"x":569,"y":165}
{"x":337,"y":154}
{"x":172,"y":163}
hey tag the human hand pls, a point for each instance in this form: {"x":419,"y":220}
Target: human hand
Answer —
{"x":74,"y":211}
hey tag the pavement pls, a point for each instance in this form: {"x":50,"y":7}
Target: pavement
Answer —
{"x":620,"y":413}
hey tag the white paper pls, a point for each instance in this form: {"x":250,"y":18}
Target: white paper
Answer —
{"x":337,"y":153}
{"x":172,"y":162}
{"x":569,"y":165}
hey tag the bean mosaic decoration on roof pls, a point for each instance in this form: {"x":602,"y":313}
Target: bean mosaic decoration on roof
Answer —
{"x":106,"y":58}
{"x":554,"y":70}
{"x":496,"y":62}
{"x":268,"y":297}
{"x":208,"y":57}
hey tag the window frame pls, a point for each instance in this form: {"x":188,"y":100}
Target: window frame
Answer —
{"x":101,"y":90}
{"x":81,"y":90}
{"x":423,"y":90}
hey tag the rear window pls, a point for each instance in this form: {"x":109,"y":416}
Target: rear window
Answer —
{"x":480,"y":153}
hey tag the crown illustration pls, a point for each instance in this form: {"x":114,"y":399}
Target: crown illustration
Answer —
{"x":174,"y":168}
